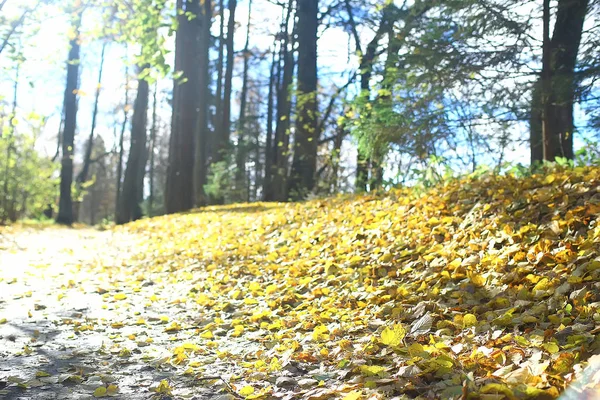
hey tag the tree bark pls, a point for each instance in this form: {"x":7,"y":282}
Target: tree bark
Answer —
{"x":8,"y":206}
{"x":186,"y":109}
{"x":203,"y":133}
{"x":224,"y":135}
{"x":304,"y":164}
{"x":240,"y":160}
{"x":152,"y":149}
{"x":129,"y":205}
{"x":219,"y":89}
{"x":269,"y":150}
{"x":122,"y":140}
{"x":83,"y":174}
{"x":284,"y":104}
{"x":558,"y":76}
{"x":65,"y":205}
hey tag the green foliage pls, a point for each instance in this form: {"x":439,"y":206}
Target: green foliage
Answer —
{"x":589,"y":154}
{"x":221,"y":180}
{"x":434,"y":171}
{"x":28,"y":180}
{"x":140,"y":22}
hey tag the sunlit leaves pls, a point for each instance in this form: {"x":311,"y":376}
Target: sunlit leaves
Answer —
{"x":394,"y":336}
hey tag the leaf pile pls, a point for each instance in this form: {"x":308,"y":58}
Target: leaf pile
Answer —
{"x":484,"y":288}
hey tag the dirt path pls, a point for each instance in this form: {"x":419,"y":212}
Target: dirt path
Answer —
{"x":60,"y":335}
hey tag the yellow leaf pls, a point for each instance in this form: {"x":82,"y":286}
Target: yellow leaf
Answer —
{"x":100,"y":392}
{"x":207,"y":335}
{"x":551,"y":347}
{"x":112,"y":390}
{"x":246,"y":391}
{"x":477,"y":279}
{"x":372,"y":370}
{"x":120,"y":296}
{"x":469,"y":320}
{"x":393,"y":337}
{"x":163,"y":387}
{"x":174,"y":327}
{"x":41,"y":374}
{"x":355,"y":395}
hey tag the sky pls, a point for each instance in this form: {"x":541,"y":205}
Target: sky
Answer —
{"x":47,"y":50}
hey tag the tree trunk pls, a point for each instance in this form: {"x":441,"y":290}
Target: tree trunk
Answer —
{"x":129,"y":205}
{"x":83,"y":175}
{"x":222,"y":139}
{"x":186,"y":109}
{"x":284,"y":104}
{"x":6,"y":214}
{"x":558,"y":76}
{"x":536,"y":141}
{"x":152,"y":149}
{"x":240,"y":160}
{"x":304,"y":164}
{"x":219,"y":90}
{"x":203,"y":133}
{"x":122,"y":140}
{"x":269,"y":150}
{"x":65,"y":205}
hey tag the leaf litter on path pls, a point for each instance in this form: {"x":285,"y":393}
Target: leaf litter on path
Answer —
{"x":483,"y":288}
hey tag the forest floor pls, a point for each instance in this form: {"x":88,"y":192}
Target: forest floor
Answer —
{"x":63,"y":336}
{"x":482,"y":288}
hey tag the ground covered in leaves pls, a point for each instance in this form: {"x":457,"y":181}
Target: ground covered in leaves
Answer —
{"x":484,"y":288}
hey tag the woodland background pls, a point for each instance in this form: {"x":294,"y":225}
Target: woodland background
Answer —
{"x":111,"y":110}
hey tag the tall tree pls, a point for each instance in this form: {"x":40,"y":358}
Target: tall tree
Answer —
{"x":129,"y":208}
{"x":186,"y":105}
{"x":558,"y":82}
{"x":269,"y":149}
{"x":278,"y":187}
{"x":7,"y":209}
{"x":152,"y":151}
{"x":223,"y":136}
{"x":304,"y":164}
{"x":83,"y":174}
{"x":65,"y":205}
{"x":240,"y":160}
{"x":203,"y":133}
{"x":121,"y":149}
{"x":218,"y":125}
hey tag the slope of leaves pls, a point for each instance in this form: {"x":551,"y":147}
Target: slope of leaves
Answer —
{"x":484,"y":288}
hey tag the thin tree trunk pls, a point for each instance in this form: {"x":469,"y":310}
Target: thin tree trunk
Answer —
{"x":304,"y":164}
{"x":9,"y":149}
{"x":122,"y":140}
{"x":336,"y":155}
{"x":16,"y":24}
{"x":223,"y":139}
{"x":219,"y":89}
{"x":240,"y":176}
{"x":65,"y":205}
{"x":129,"y":205}
{"x":203,"y":133}
{"x":284,"y":104}
{"x":268,"y":173}
{"x":83,"y":175}
{"x":536,"y":141}
{"x":152,"y":149}
{"x":551,"y":145}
